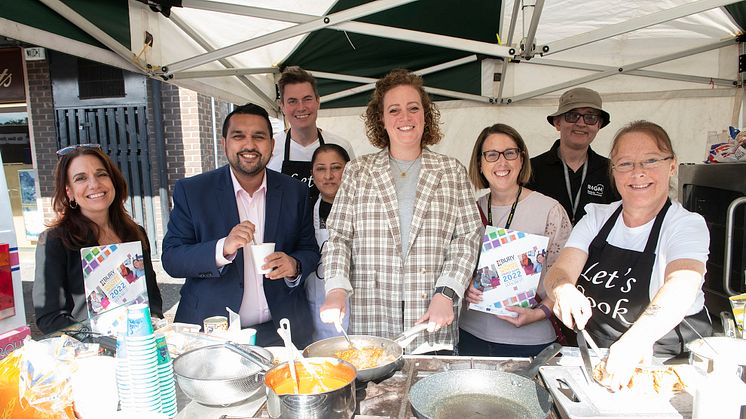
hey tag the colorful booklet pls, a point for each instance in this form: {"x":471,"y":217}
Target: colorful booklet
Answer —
{"x":114,"y":277}
{"x":509,"y":269}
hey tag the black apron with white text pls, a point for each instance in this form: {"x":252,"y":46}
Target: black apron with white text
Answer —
{"x":616,"y":282}
{"x":301,"y":170}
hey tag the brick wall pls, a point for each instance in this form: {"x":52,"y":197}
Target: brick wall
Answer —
{"x":42,"y":130}
{"x":187,"y":124}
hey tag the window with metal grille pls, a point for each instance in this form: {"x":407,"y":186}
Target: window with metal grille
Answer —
{"x":96,"y":80}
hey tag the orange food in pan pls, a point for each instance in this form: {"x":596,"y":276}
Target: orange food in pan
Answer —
{"x":363,"y":358}
{"x":325,"y":377}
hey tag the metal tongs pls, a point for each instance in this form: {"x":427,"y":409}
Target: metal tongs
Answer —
{"x":585,"y":339}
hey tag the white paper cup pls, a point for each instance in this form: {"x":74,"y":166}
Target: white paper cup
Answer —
{"x":258,"y":253}
{"x":94,"y":387}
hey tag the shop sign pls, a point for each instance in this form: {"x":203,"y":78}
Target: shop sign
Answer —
{"x":12,"y":85}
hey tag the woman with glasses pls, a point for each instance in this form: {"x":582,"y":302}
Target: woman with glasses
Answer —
{"x":632,"y":271}
{"x":327,"y":165}
{"x":404,"y":231}
{"x":89,"y":200}
{"x":500,"y":162}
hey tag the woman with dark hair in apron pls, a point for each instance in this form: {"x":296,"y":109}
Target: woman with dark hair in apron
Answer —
{"x":328,"y":163}
{"x":632,"y":271}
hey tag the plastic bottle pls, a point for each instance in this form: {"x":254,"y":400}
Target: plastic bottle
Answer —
{"x":721,"y":393}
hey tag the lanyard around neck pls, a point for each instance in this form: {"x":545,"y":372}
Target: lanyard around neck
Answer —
{"x":512,"y":209}
{"x":574,"y":203}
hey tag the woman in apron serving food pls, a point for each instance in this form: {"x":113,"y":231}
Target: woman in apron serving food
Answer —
{"x":328,"y":163}
{"x":632,"y":271}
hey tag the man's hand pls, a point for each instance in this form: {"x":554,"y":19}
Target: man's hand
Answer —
{"x":438,"y":314}
{"x":281,"y":265}
{"x":241,"y":235}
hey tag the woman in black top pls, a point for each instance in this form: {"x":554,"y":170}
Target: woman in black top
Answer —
{"x":89,"y":201}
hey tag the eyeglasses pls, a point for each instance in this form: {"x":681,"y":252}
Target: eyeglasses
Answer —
{"x":588,"y":118}
{"x":494,"y":155}
{"x":628,"y":166}
{"x":69,"y":149}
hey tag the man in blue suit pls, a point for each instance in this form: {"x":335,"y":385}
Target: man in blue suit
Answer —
{"x":216,"y":218}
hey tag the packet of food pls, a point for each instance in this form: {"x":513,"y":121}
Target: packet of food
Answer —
{"x":738,"y":305}
{"x":35,"y":379}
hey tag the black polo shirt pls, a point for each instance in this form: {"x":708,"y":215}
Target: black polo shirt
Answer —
{"x":548,"y":178}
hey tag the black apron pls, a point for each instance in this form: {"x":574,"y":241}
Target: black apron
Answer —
{"x":616,"y":281}
{"x":301,"y":170}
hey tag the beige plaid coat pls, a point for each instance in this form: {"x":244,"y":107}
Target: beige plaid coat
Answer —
{"x":364,"y":251}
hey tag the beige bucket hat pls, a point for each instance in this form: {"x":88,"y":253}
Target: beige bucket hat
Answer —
{"x":580,"y":97}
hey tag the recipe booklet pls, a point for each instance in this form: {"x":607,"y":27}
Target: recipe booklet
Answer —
{"x":510,"y":265}
{"x":114,"y":277}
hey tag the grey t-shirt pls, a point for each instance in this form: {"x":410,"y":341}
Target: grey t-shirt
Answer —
{"x":406,"y":193}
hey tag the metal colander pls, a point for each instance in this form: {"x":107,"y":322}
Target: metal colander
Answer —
{"x":216,"y":376}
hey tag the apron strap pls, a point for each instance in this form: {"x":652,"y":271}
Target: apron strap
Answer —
{"x":600,"y":239}
{"x":656,"y":231}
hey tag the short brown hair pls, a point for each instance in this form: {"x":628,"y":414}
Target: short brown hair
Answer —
{"x":296,"y":75}
{"x":373,"y":116}
{"x":475,"y":164}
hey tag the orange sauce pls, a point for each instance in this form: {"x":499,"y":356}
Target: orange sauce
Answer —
{"x":328,"y":377}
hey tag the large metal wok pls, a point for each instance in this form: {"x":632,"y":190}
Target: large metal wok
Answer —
{"x":475,"y":393}
{"x":393,"y":351}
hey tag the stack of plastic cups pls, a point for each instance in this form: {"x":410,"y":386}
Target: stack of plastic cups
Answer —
{"x":142,"y":362}
{"x":166,"y":377}
{"x":122,"y":373}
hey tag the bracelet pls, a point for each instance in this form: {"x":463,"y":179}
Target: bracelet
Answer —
{"x":545,"y":309}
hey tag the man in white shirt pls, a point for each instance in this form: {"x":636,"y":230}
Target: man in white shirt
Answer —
{"x":216,"y":218}
{"x":299,"y":101}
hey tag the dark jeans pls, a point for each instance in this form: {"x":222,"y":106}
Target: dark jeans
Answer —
{"x":470,"y":345}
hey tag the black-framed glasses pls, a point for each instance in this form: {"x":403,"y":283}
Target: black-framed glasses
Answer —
{"x":589,"y":118}
{"x":69,"y":149}
{"x":494,"y":155}
{"x":628,"y":166}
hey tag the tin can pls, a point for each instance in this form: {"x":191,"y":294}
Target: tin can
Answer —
{"x":215,"y":323}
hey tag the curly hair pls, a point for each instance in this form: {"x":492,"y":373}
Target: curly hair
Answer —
{"x":373,"y":116}
{"x":76,"y":227}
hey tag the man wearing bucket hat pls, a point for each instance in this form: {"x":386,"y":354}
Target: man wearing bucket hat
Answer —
{"x":571,"y":172}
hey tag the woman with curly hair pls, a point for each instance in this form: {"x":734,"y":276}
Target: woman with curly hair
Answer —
{"x":404,"y":231}
{"x":89,"y":200}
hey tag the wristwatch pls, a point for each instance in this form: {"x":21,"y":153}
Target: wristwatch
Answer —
{"x":448,"y":293}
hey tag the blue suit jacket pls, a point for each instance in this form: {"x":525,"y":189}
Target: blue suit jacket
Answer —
{"x":204,"y":212}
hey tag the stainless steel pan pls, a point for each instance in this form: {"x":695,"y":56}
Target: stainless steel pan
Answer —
{"x":393,"y":349}
{"x":475,"y":393}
